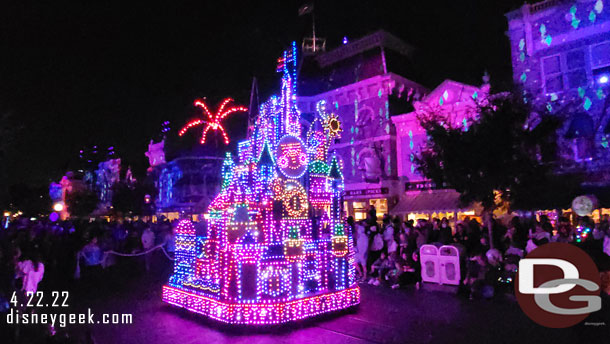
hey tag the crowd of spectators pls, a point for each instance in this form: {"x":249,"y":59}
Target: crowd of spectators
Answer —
{"x":40,"y":254}
{"x":34,"y":252}
{"x":387,"y":251}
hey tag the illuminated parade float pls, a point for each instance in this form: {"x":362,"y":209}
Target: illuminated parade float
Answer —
{"x":276,"y":248}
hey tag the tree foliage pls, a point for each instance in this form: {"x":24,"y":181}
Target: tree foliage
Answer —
{"x":503,"y":149}
{"x":81,"y":202}
{"x":129,"y":198}
{"x":9,"y":130}
{"x":32,"y":201}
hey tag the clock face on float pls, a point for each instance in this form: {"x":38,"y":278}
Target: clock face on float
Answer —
{"x":292,"y":157}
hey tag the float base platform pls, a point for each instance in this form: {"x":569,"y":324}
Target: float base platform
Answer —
{"x":262,"y":313}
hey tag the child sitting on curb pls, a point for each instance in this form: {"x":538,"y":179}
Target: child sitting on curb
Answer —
{"x":380,"y":269}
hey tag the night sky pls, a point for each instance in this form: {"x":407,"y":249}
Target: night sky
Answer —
{"x":109,"y":73}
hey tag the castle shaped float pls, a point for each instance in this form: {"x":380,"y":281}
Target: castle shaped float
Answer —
{"x":276,"y":248}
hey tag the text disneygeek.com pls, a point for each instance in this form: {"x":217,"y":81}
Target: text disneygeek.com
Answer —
{"x":16,"y":317}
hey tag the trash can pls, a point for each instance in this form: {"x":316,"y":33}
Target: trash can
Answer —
{"x":428,"y":255}
{"x":449,"y":265}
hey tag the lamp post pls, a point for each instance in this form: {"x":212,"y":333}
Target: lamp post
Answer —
{"x":6,"y":219}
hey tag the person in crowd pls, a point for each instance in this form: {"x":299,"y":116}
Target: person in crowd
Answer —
{"x":372,"y":215}
{"x":15,"y":259}
{"x":362,"y":250}
{"x":514,"y":249}
{"x":473,"y":243}
{"x":380,"y":269}
{"x":511,"y":261}
{"x":606,"y":247}
{"x":445,"y":232}
{"x":421,"y":233}
{"x":119,"y":234}
{"x":407,"y":271}
{"x":460,"y":236}
{"x":148,"y":242}
{"x":168,"y":240}
{"x":93,"y":257}
{"x":133,"y":243}
{"x":537,"y":237}
{"x":386,"y":223}
{"x":546,"y":224}
{"x":31,"y":271}
{"x":477,"y":278}
{"x":565,"y":222}
{"x":388,"y":233}
{"x":498,"y":234}
{"x":376,"y":245}
{"x":410,"y":224}
{"x":411,"y":236}
{"x":403,"y":243}
{"x":563,"y":234}
{"x":392,"y":248}
{"x":399,"y":226}
{"x":600,"y":230}
{"x":519,"y":232}
{"x":603,"y":226}
{"x":434,"y":233}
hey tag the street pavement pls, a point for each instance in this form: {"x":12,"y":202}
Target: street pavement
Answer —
{"x":384,"y":316}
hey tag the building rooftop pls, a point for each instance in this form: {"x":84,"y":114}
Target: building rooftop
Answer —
{"x":534,"y":8}
{"x":375,"y":54}
{"x":377,"y":39}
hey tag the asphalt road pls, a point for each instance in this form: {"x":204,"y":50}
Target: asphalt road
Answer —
{"x":384,"y":316}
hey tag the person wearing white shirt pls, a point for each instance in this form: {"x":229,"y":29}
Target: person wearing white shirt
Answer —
{"x":32,"y":271}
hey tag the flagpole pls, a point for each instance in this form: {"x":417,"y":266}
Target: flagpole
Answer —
{"x":313,"y":24}
{"x":253,"y":106}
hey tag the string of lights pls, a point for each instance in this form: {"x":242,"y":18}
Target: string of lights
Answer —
{"x":213,"y":121}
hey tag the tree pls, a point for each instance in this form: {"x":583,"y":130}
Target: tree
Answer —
{"x":499,"y":154}
{"x":32,"y":201}
{"x":129,"y":199}
{"x":9,"y":131}
{"x":82,"y":202}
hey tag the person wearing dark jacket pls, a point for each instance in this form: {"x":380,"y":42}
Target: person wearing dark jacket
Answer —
{"x":445,"y":232}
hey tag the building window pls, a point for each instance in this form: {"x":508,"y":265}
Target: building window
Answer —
{"x":551,"y":65}
{"x":551,"y":72}
{"x":554,"y":83}
{"x":600,"y":55}
{"x":600,"y":63}
{"x":577,"y":78}
{"x":575,"y":59}
{"x":575,"y":63}
{"x":360,"y":210}
{"x":574,"y":70}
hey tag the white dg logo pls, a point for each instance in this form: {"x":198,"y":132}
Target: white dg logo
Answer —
{"x":557,"y":286}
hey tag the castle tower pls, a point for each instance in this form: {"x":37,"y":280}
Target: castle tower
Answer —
{"x":276,"y":242}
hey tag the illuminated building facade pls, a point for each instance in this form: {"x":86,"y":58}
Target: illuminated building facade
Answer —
{"x":560,"y":53}
{"x":186,"y":184}
{"x":456,"y":103}
{"x":107,"y":175}
{"x":365,"y":82}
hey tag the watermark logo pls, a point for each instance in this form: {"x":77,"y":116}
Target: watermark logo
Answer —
{"x":558,"y":285}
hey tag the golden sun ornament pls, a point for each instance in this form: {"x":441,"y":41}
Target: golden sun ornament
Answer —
{"x":332,"y":126}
